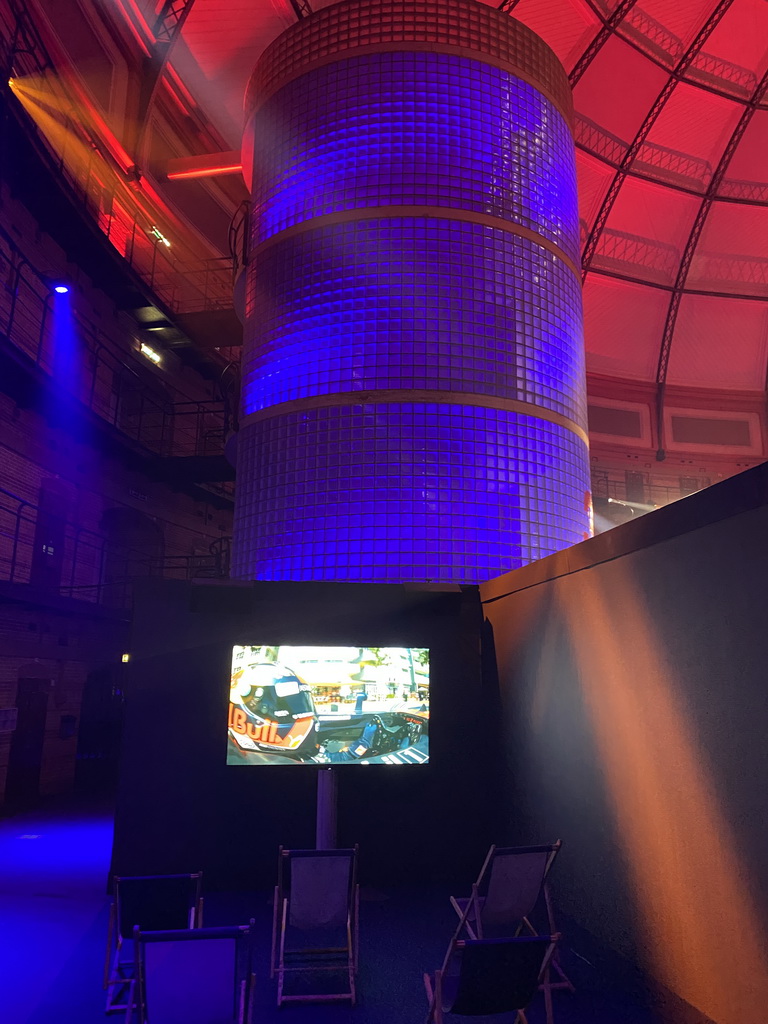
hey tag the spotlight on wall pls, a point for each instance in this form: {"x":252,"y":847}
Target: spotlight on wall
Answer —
{"x":61,"y":289}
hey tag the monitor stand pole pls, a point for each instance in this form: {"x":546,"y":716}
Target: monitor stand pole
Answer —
{"x":325,"y":831}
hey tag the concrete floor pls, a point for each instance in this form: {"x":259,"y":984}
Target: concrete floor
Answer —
{"x":54,"y":908}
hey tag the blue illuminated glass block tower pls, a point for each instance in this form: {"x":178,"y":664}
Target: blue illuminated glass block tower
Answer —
{"x":413,"y":366}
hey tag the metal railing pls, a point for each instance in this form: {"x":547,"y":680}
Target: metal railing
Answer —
{"x":183,"y":281}
{"x":181,"y":277}
{"x":721,"y":271}
{"x":657,"y":492}
{"x":749,"y":191}
{"x":693,"y":170}
{"x":92,"y":565}
{"x":113,"y":385}
{"x":724,"y":73}
{"x":663,"y":163}
{"x":653,"y":37}
{"x":623,"y":249}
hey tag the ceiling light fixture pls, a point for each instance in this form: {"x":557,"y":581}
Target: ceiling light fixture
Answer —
{"x":205,"y":172}
{"x":149,"y":353}
{"x":157,"y":233}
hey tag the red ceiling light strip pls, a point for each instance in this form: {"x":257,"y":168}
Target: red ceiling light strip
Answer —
{"x":137,"y":23}
{"x":205,"y":172}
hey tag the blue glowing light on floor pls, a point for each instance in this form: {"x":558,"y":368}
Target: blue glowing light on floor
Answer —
{"x":53,"y":871}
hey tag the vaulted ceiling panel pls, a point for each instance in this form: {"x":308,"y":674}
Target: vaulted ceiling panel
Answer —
{"x":709,"y":327}
{"x":649,"y":227}
{"x":740,"y":38}
{"x":567,"y":26}
{"x":619,"y":111}
{"x":749,"y":165}
{"x":646,"y":232}
{"x":622,"y":324}
{"x":594,"y":178}
{"x":689,"y":136}
{"x":731,"y":255}
{"x":221,"y":42}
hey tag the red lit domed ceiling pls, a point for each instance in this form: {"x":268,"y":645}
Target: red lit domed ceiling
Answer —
{"x":671,"y":101}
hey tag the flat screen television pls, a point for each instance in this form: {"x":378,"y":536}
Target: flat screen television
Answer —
{"x":329,"y":705}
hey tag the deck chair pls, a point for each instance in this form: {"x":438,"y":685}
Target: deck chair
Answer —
{"x":511,"y":882}
{"x":192,"y":976}
{"x":153,"y":903}
{"x":315,"y":925}
{"x":488,"y":976}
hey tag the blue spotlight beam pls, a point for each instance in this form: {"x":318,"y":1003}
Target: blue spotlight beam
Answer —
{"x":66,"y":365}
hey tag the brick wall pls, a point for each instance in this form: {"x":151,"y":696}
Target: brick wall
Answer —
{"x":64,"y":630}
{"x":61,"y":645}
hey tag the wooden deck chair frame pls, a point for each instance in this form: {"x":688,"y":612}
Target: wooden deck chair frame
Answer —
{"x":434,"y":986}
{"x":118,"y":967}
{"x":243,"y":987}
{"x":471,"y":910}
{"x":341,"y":959}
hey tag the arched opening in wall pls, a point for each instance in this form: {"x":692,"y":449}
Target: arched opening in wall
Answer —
{"x":101,"y":724}
{"x":134,"y":546}
{"x":25,"y":757}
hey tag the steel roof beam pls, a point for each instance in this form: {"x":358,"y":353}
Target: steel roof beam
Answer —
{"x":645,"y":128}
{"x":665,"y":66}
{"x":674,"y":185}
{"x":707,"y":293}
{"x":302,"y":8}
{"x":170,"y":21}
{"x":166,"y":30}
{"x":698,"y":226}
{"x":609,"y":27}
{"x":24,"y":41}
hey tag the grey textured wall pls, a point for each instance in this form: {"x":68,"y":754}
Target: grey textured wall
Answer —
{"x":633,"y":673}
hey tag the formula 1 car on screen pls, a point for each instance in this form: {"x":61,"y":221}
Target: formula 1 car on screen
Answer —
{"x":271,"y":712}
{"x":366,"y":736}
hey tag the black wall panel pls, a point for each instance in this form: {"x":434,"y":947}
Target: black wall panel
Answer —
{"x":180,"y":807}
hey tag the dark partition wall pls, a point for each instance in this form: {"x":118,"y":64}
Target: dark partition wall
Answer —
{"x":634,"y":679}
{"x":181,"y":807}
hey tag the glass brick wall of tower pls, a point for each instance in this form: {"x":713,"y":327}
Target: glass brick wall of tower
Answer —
{"x":389,"y":190}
